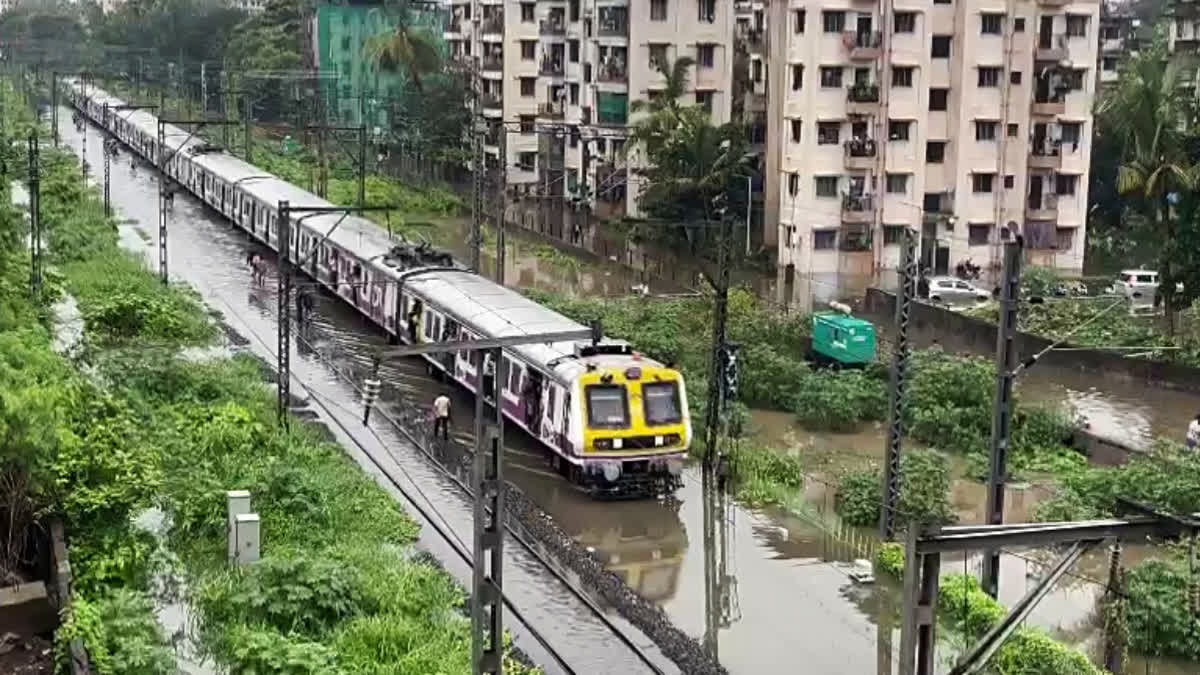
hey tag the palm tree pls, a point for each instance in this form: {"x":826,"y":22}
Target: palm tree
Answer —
{"x":677,"y":84}
{"x":1156,"y":119}
{"x":407,"y":49}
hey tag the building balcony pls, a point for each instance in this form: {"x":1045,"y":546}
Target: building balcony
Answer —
{"x":864,"y":46}
{"x":860,"y":154}
{"x":855,"y":237}
{"x":1042,"y":207}
{"x":455,"y":26}
{"x":492,"y":62}
{"x":857,"y":209}
{"x":755,"y":40}
{"x":492,"y":26}
{"x":491,"y":101}
{"x":1053,"y":3}
{"x":554,"y":111}
{"x":552,"y":27}
{"x":1047,"y":156}
{"x":862,"y":99}
{"x":613,"y":22}
{"x":612,"y":71}
{"x":1051,"y":48}
{"x":1049,"y":107}
{"x":552,"y":68}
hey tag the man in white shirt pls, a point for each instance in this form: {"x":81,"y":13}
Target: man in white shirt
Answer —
{"x":1193,"y":434}
{"x":441,"y":416}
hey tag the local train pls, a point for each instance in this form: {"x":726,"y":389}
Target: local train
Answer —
{"x":616,"y":423}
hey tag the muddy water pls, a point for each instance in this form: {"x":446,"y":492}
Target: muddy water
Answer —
{"x":788,"y":596}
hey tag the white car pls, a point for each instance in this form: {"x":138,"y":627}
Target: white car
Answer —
{"x":955,"y":291}
{"x":1137,"y":286}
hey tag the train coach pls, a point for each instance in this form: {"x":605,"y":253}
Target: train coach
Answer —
{"x":614,"y":422}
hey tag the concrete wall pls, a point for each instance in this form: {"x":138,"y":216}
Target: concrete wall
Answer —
{"x":957,"y":332}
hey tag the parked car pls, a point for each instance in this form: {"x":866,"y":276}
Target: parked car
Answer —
{"x":1138,"y":286}
{"x":952,"y":291}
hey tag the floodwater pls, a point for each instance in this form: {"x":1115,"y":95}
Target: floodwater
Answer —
{"x":786,"y":594}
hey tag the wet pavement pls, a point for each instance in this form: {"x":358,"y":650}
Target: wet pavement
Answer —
{"x":786,"y":594}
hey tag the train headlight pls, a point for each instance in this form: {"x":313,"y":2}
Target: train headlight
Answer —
{"x":612,"y":471}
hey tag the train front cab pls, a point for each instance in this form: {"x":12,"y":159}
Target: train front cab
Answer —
{"x":636,"y":429}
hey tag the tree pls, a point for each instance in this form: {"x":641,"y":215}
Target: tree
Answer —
{"x":409,"y":49}
{"x":1158,"y":124}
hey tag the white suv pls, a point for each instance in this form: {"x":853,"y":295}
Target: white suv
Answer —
{"x":1138,"y":286}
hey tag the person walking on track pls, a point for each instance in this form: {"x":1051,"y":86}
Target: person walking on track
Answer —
{"x":441,"y":416}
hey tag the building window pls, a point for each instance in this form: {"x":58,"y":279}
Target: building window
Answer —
{"x":982,"y":182}
{"x":528,"y":124}
{"x":1064,"y":183}
{"x":991,"y":24}
{"x":526,"y":160}
{"x":658,"y":10}
{"x":1108,"y":63}
{"x":573,"y":51}
{"x":798,"y":17}
{"x":574,"y":89}
{"x":833,"y":22}
{"x":902,"y":76}
{"x":906,"y":22}
{"x":897,"y":183}
{"x":797,"y":77}
{"x":528,"y":50}
{"x":1077,"y":25}
{"x":1009,"y":181}
{"x":793,"y":184}
{"x":985,"y":130}
{"x":706,"y":11}
{"x":528,"y":86}
{"x":1070,"y":132}
{"x":898,"y":130}
{"x":658,"y":57}
{"x":1013,"y":129}
{"x":831,"y":76}
{"x":989,"y":76}
{"x":938,"y":98}
{"x":706,"y":55}
{"x":1076,"y":77}
{"x":823,"y":240}
{"x":828,"y":133}
{"x":797,"y":130}
{"x":1019,"y":24}
{"x":704,"y":99}
{"x":935,"y":152}
{"x":1064,"y":237}
{"x":893,"y":234}
{"x":527,"y":12}
{"x":978,"y":235}
{"x":826,"y":186}
{"x":941,"y":47}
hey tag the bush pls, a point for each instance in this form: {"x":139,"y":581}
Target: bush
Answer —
{"x":120,"y":634}
{"x":924,"y":491}
{"x":890,"y":559}
{"x":262,"y":650}
{"x":1158,"y":612}
{"x":839,"y":400}
{"x":765,"y":476}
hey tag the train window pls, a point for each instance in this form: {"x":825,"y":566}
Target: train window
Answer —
{"x":607,"y":406}
{"x":514,"y":375}
{"x":660,"y":401}
{"x":430,"y":320}
{"x":551,"y":399}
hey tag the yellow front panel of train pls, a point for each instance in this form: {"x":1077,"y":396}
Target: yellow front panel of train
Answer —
{"x":637,"y":410}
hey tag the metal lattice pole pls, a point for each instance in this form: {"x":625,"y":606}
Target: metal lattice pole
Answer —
{"x":160,"y":160}
{"x":54,"y":107}
{"x":487,"y":606}
{"x":284,"y":346}
{"x":899,"y":384}
{"x":1002,"y":406}
{"x":477,"y":187}
{"x":107,"y":168}
{"x":501,"y":211}
{"x":35,"y":216}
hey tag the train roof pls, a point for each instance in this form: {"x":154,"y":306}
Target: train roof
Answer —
{"x":496,"y":310}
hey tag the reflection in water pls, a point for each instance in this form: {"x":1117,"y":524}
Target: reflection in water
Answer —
{"x":721,"y":607}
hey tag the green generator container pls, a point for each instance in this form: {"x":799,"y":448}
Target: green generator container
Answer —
{"x":842,"y":339}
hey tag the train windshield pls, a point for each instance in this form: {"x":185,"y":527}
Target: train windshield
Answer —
{"x":607,"y":406}
{"x":661,"y":403}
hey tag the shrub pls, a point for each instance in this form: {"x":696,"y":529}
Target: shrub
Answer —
{"x":890,"y":559}
{"x":120,"y":634}
{"x":262,"y":650}
{"x":763,"y":475}
{"x":858,"y":497}
{"x":924,"y":491}
{"x":1157,"y":610}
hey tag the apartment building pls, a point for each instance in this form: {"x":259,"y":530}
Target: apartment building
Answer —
{"x":968,"y":121}
{"x":559,"y":76}
{"x":1119,"y":38}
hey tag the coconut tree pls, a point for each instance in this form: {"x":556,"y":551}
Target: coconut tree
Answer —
{"x":408,"y":49}
{"x":667,"y":99}
{"x":1158,"y":122}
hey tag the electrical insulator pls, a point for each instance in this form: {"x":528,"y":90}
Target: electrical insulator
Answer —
{"x":370,"y":392}
{"x":730,"y":370}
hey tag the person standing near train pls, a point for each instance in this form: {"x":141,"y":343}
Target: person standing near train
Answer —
{"x":441,"y":416}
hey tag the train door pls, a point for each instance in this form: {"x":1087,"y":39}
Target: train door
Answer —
{"x":532,"y":394}
{"x":550,"y":409}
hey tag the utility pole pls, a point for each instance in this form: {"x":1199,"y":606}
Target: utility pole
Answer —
{"x":203,"y":89}
{"x":898,"y":387}
{"x":160,"y":161}
{"x":362,"y":163}
{"x":35,"y":217}
{"x":106,"y":148}
{"x":247,"y":103}
{"x":283,"y":352}
{"x":501,"y":212}
{"x":1002,"y":407}
{"x":1114,"y":609}
{"x":478,"y":129}
{"x":54,"y":107}
{"x":716,"y":399}
{"x":83,"y":121}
